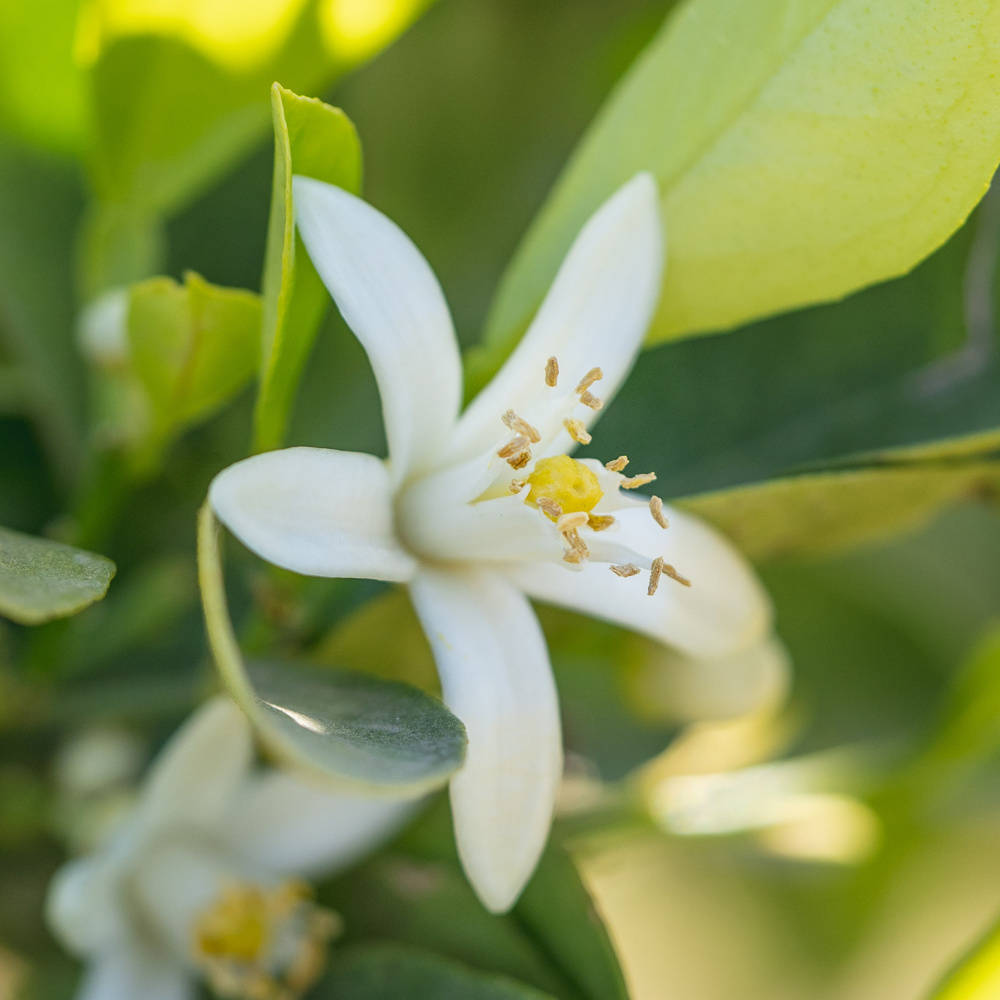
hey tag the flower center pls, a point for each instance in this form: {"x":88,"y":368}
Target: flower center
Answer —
{"x":565,"y":483}
{"x":266,"y":943}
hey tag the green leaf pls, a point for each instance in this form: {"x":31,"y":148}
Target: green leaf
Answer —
{"x":192,"y":347}
{"x":976,"y":976}
{"x":316,"y":140}
{"x":825,"y":512}
{"x":359,"y":730}
{"x":802,"y":151}
{"x":387,"y":972}
{"x":41,"y":579}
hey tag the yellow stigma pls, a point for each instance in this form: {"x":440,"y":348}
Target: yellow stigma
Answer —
{"x":566,"y":482}
{"x":237,"y":925}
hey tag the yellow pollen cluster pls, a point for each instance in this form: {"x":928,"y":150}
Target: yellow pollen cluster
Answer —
{"x":565,"y":482}
{"x":239,"y":938}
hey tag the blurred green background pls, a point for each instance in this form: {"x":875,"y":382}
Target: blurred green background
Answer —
{"x":466,"y":120}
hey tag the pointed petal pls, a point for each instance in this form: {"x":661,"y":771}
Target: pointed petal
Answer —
{"x":595,"y":315}
{"x":135,"y":972}
{"x":724,"y":610}
{"x":314,"y":511}
{"x":290,"y":826}
{"x":389,"y":296}
{"x":496,"y":678}
{"x":196,"y":776}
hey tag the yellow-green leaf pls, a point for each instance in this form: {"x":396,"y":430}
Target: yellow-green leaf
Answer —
{"x":316,"y":140}
{"x":803,"y":148}
{"x":977,"y":974}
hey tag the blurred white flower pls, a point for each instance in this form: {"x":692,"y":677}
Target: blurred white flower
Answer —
{"x":480,"y":511}
{"x":203,"y":878}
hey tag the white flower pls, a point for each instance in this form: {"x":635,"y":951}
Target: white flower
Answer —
{"x":204,"y":877}
{"x":479,"y":511}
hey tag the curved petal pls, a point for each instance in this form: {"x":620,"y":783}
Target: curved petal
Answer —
{"x":388,"y":295}
{"x":496,"y":678}
{"x":84,"y":906}
{"x":595,"y":315}
{"x":195,"y":778}
{"x":724,"y":610}
{"x":289,"y":826}
{"x":314,"y":511}
{"x":129,"y":974}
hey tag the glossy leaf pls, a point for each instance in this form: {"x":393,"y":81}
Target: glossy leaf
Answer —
{"x":41,"y":579}
{"x":802,"y":150}
{"x":316,"y":140}
{"x":358,"y":730}
{"x":386,"y":972}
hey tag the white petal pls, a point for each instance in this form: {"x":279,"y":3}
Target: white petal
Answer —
{"x":388,"y":295}
{"x":194,"y":780}
{"x":724,"y":610}
{"x":85,"y":908}
{"x":496,"y":678}
{"x":595,"y":315}
{"x":134,"y":973}
{"x":315,"y":511}
{"x":289,"y":826}
{"x":686,"y":689}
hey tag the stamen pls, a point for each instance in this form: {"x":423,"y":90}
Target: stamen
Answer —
{"x":594,"y":375}
{"x":551,"y":372}
{"x":551,"y":508}
{"x":573,"y":521}
{"x":577,"y":431}
{"x":520,"y":461}
{"x":632,"y":482}
{"x":654,"y":575}
{"x":513,"y":447}
{"x":522,"y":427}
{"x":674,"y":575}
{"x":616,"y":465}
{"x":578,"y":550}
{"x":516,"y":485}
{"x":589,"y":399}
{"x":626,"y":570}
{"x":600,"y":522}
{"x":656,"y":509}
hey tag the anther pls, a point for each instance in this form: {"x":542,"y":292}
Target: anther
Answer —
{"x":674,"y":575}
{"x":633,"y":482}
{"x":589,"y":399}
{"x":516,"y":485}
{"x":522,"y":427}
{"x":600,"y":522}
{"x":520,"y":460}
{"x":594,"y":375}
{"x":616,"y":465}
{"x":626,"y":570}
{"x":551,"y":508}
{"x":655,"y":572}
{"x":577,"y":431}
{"x":551,"y":372}
{"x":513,"y":447}
{"x":656,"y":509}
{"x":573,"y":521}
{"x":578,"y":550}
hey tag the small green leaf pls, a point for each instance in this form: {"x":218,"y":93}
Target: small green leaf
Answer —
{"x":802,"y":151}
{"x":316,"y":140}
{"x":359,"y":730}
{"x":976,"y":976}
{"x":828,"y":511}
{"x":388,"y":971}
{"x":41,"y":579}
{"x":192,"y":346}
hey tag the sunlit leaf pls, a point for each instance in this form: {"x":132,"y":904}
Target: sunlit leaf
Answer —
{"x":316,"y":140}
{"x":356,"y":729}
{"x":41,"y":579}
{"x":802,"y":150}
{"x":977,"y":975}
